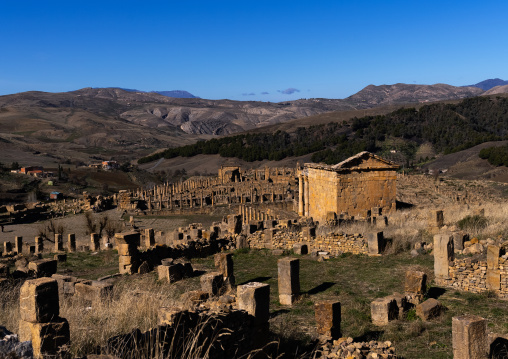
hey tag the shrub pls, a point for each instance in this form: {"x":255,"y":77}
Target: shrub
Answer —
{"x":473,"y":223}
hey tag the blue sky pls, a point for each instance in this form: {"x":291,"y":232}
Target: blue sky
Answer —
{"x":249,"y":50}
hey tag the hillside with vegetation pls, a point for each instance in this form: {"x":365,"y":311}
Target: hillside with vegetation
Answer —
{"x":448,"y":127}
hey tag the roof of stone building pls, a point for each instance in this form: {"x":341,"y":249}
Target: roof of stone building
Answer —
{"x":358,"y":162}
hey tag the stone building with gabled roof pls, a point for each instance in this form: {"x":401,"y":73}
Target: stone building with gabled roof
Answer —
{"x":353,"y":186}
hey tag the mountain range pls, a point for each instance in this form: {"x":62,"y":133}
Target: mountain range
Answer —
{"x":125,"y":124}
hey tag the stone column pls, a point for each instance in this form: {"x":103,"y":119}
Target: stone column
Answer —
{"x":289,"y":280}
{"x":149,"y":237}
{"x":7,"y":247}
{"x":376,"y":243}
{"x":254,"y":298}
{"x":58,"y":243}
{"x":39,"y":245}
{"x":224,"y":264}
{"x":71,"y":242}
{"x":443,"y":254}
{"x":212,"y":283}
{"x":40,"y":321}
{"x":328,"y":318}
{"x":469,"y":337}
{"x":300,"y":196}
{"x":306,"y":196}
{"x":493,"y":273}
{"x":128,"y":259}
{"x":95,"y":243}
{"x":18,"y":245}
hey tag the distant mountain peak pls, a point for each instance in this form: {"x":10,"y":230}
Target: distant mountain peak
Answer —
{"x":490,"y":83}
{"x":172,"y":93}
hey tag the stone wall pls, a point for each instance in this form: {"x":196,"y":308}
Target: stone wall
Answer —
{"x":283,"y":238}
{"x":476,"y":274}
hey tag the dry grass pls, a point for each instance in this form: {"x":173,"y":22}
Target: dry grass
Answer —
{"x":134,"y":303}
{"x":9,"y":306}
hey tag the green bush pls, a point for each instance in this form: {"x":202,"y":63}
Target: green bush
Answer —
{"x":475,"y":222}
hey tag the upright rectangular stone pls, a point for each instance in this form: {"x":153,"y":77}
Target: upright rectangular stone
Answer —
{"x":212,"y":283}
{"x":254,"y":298}
{"x":71,"y":242}
{"x":149,"y":237}
{"x":43,"y":267}
{"x":438,"y":219}
{"x":384,"y":310}
{"x":289,"y":280}
{"x":39,"y":245}
{"x":46,"y":338}
{"x":7,"y":247}
{"x":224,"y":264}
{"x":309,"y":232}
{"x":95,"y":243}
{"x":443,"y":255}
{"x":493,"y":257}
{"x":376,"y":242}
{"x":328,"y":318}
{"x":469,"y":337}
{"x":300,"y":248}
{"x":416,"y":282}
{"x":58,"y":242}
{"x":38,"y":300}
{"x":234,"y":224}
{"x":18,"y":244}
{"x":458,"y":240}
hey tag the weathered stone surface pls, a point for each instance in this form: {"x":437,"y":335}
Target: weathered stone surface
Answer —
{"x":443,"y":254}
{"x":328,"y":318}
{"x":38,"y":300}
{"x":65,"y":284}
{"x":58,"y":243}
{"x":376,"y":242}
{"x":429,"y":309}
{"x":39,"y":245}
{"x":193,"y":297}
{"x":7,"y":247}
{"x":458,"y":240}
{"x":493,"y":280}
{"x":71,"y":242}
{"x":144,"y":268}
{"x":469,"y":337}
{"x":171,"y":273}
{"x":493,"y":257}
{"x":18,"y":244}
{"x":254,"y":298}
{"x":46,"y":338}
{"x":60,"y":257}
{"x":95,"y":242}
{"x":288,"y":280}
{"x":416,"y":282}
{"x":241,"y":242}
{"x":94,"y":291}
{"x":149,"y":237}
{"x":170,"y":315}
{"x":300,"y":248}
{"x":128,"y":238}
{"x":384,"y":310}
{"x":43,"y":267}
{"x":224,"y":263}
{"x":212,"y":283}
{"x":340,"y":189}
